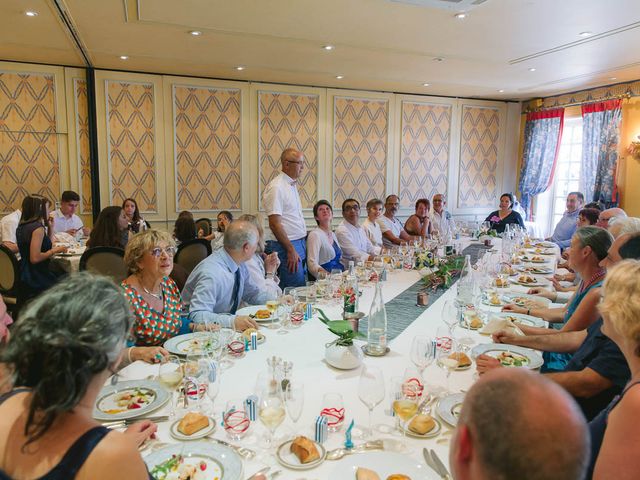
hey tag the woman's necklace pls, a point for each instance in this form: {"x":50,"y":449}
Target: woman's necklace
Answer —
{"x":159,"y":295}
{"x":594,"y":278}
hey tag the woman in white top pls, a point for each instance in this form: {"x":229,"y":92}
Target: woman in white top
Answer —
{"x":370,"y":225}
{"x":263,"y":268}
{"x":137,"y":224}
{"x":323,"y":250}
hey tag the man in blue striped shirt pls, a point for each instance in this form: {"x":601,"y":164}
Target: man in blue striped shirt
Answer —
{"x":566,"y":227}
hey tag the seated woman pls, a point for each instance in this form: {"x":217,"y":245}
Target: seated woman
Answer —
{"x":323,"y":250}
{"x":184,"y":228}
{"x":370,"y":225}
{"x":419,"y":224}
{"x":614,"y":432}
{"x":589,"y":246}
{"x":499,"y":219}
{"x":262,"y":267}
{"x":110,"y":230}
{"x":154,"y":297}
{"x":137,"y":224}
{"x":36,"y":248}
{"x":66,"y":344}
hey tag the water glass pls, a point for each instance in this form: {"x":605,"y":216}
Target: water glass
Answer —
{"x":333,"y":409}
{"x":371,"y":390}
{"x":235,"y":419}
{"x":311,"y":292}
{"x":294,"y":400}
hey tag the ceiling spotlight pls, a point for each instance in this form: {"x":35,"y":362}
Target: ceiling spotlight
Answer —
{"x":328,"y":47}
{"x":438,"y":59}
{"x":613,"y":78}
{"x":501,"y":91}
{"x":339,"y":77}
{"x":426,"y":84}
{"x":532,"y":69}
{"x":195,"y":33}
{"x":585,"y":34}
{"x":239,"y":68}
{"x":31,"y":13}
{"x":124,"y":57}
{"x":460,"y":15}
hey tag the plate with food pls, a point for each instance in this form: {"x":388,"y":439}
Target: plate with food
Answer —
{"x":129,"y":399}
{"x":527,"y":280}
{"x":533,"y":259}
{"x":422,"y":426}
{"x":510,"y":355}
{"x":536,"y":270}
{"x":379,"y":466}
{"x":472,"y":320}
{"x":260,"y":313}
{"x":527,"y":301}
{"x":194,"y":461}
{"x":301,"y":453}
{"x":192,"y":426}
{"x":522,"y":319}
{"x":543,"y":245}
{"x":494,"y":299}
{"x":246,"y":335}
{"x":464,"y":362}
{"x":192,"y":343}
{"x":448,"y":408}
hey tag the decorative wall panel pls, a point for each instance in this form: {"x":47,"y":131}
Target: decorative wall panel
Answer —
{"x":29,"y":160}
{"x":424,"y":162}
{"x":82,"y":143}
{"x":477,"y":184}
{"x":131,"y":138}
{"x":359,"y":149}
{"x":289,"y":120}
{"x":207,"y":148}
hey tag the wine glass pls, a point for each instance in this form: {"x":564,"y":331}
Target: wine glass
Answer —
{"x":294,"y":400}
{"x":225,"y":336}
{"x":405,"y":404}
{"x":371,"y":390}
{"x":271,"y":411}
{"x":197,"y":369}
{"x":170,"y":375}
{"x":445,"y":358}
{"x":272,"y":306}
{"x":450,"y":314}
{"x":213,"y":382}
{"x":423,"y":352}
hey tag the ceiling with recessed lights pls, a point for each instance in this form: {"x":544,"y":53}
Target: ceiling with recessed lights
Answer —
{"x":501,"y":49}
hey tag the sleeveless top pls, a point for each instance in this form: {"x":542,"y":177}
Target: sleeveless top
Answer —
{"x":151,"y":327}
{"x":598,"y":426}
{"x":554,"y":361}
{"x":36,"y":277}
{"x":74,"y":458}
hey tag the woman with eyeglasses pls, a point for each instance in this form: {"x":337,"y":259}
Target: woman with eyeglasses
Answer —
{"x":154,"y":298}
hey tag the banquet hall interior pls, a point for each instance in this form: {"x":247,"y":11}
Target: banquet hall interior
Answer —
{"x":192,"y":111}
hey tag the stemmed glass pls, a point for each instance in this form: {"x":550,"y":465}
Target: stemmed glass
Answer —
{"x":213,"y":382}
{"x":225,"y":336}
{"x":170,"y":375}
{"x":450,"y":315}
{"x":422,"y":352}
{"x":271,"y":411}
{"x":371,"y":390}
{"x":445,"y":360}
{"x":272,"y":306}
{"x":405,"y":404}
{"x":235,"y":419}
{"x":197,"y":368}
{"x":294,"y":400}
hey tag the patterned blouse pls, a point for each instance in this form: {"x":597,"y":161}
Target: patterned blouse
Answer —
{"x":152,"y":327}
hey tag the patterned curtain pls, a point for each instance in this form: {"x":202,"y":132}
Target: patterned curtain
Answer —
{"x":542,"y":134}
{"x":600,"y":137}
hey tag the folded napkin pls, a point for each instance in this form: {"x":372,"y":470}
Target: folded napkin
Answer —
{"x":497,"y":324}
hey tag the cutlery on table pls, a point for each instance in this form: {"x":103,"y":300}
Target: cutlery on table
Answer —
{"x":260,"y":474}
{"x":442,"y":470}
{"x":130,"y":421}
{"x":244,"y":452}
{"x":338,"y":453}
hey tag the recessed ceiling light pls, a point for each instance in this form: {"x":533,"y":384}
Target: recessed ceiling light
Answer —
{"x":585,"y":34}
{"x":426,"y":84}
{"x":124,"y":57}
{"x":195,"y":33}
{"x":532,"y":69}
{"x":613,"y":78}
{"x":438,"y":59}
{"x":501,"y":91}
{"x":239,"y":68}
{"x":31,"y":13}
{"x":460,"y":15}
{"x":339,"y":77}
{"x":328,"y":47}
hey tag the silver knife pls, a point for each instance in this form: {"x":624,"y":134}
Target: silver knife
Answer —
{"x":259,"y":472}
{"x":442,"y":470}
{"x":427,"y":458}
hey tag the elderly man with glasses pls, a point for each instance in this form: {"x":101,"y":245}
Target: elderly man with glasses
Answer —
{"x":353,"y":240}
{"x":441,"y":220}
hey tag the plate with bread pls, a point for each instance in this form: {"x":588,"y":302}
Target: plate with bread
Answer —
{"x":301,"y":453}
{"x":192,"y":426}
{"x":527,"y":280}
{"x":246,"y":335}
{"x":422,"y":426}
{"x":379,"y":466}
{"x":536,"y":270}
{"x":260,"y":313}
{"x":494,"y":299}
{"x":464,"y":362}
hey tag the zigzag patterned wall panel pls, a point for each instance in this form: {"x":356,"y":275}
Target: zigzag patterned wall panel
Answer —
{"x":424,"y":162}
{"x":29,"y":161}
{"x":131,"y":143}
{"x":478,"y":157}
{"x":207,"y":148}
{"x":289,"y":120}
{"x":82,"y":143}
{"x":359,"y":148}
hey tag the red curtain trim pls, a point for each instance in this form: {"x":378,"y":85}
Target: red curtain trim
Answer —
{"x":542,"y":114}
{"x":601,"y":106}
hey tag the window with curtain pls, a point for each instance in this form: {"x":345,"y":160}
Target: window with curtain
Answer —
{"x":551,"y":204}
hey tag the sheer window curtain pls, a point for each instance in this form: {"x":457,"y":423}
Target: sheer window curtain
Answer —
{"x":600,"y":138}
{"x":542,"y":134}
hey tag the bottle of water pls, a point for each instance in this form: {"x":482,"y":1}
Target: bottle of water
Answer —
{"x":377,"y":331}
{"x":465,"y":284}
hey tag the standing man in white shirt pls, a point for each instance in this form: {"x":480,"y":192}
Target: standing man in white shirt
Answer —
{"x":281,"y":202}
{"x":353,"y":240}
{"x":370,"y":225}
{"x":393,"y":232}
{"x":65,"y":218}
{"x":441,"y":220}
{"x":8,"y":226}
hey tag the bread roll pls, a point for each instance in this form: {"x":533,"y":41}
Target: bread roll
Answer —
{"x":366,"y":474}
{"x":463,"y":359}
{"x":398,"y":476}
{"x":304,"y":449}
{"x":422,"y":424}
{"x":192,"y":422}
{"x":263,"y":314}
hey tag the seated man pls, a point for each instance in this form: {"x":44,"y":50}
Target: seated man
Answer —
{"x":8,"y":226}
{"x":597,"y":371}
{"x":567,"y":225}
{"x":516,"y":424}
{"x":441,"y":220}
{"x":352,"y":238}
{"x":219,"y":283}
{"x":65,"y":218}
{"x":608,"y":215}
{"x":393,"y":232}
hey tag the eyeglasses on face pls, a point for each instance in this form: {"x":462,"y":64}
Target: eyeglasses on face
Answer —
{"x":169,"y":251}
{"x":351,"y":207}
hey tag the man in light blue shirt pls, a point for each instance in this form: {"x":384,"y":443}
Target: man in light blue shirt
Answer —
{"x":219,"y":283}
{"x":566,"y":227}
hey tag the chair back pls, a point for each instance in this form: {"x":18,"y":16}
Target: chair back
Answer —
{"x":192,"y":252}
{"x":107,"y":261}
{"x":205,"y":225}
{"x":9,"y":272}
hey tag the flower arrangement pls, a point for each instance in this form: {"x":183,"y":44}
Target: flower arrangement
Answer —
{"x":444,"y":274}
{"x":634,"y":149}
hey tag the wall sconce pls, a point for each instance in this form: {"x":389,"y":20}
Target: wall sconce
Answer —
{"x":634,"y":148}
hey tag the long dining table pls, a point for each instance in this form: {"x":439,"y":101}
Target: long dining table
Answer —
{"x":305,"y":348}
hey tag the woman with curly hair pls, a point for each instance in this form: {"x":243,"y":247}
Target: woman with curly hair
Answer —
{"x":110,"y":230}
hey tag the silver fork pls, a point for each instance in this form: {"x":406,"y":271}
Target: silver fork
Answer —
{"x":242,"y":451}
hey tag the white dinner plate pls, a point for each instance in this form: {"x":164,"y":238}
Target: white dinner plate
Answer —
{"x":383,"y":463}
{"x":533,"y":359}
{"x":195,"y":343}
{"x":448,"y":408}
{"x":107,"y":407}
{"x":175,"y":433}
{"x":533,"y":270}
{"x":527,"y":301}
{"x":290,"y":460}
{"x":252,"y":309}
{"x":434,"y":432}
{"x":221,"y":462}
{"x":536,"y":282}
{"x":522,"y":319}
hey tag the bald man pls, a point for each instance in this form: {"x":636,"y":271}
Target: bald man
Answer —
{"x":281,"y":201}
{"x":608,"y":215}
{"x":515,"y":424}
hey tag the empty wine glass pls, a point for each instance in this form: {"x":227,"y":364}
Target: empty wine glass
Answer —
{"x":423,"y":352}
{"x":294,"y":400}
{"x":213,"y":382}
{"x":371,"y":390}
{"x":235,"y":419}
{"x":450,"y":314}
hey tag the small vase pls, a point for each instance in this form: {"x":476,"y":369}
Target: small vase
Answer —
{"x":343,"y":357}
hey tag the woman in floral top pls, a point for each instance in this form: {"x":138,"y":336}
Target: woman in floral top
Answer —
{"x":154,"y":298}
